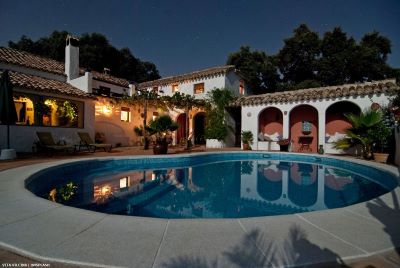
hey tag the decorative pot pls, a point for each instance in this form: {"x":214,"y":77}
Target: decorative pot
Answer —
{"x":380,"y":157}
{"x":246,"y":146}
{"x":284,"y":148}
{"x":214,"y":143}
{"x":160,"y":148}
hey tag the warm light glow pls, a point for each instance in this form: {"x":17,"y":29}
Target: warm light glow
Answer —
{"x":106,"y":109}
{"x":106,"y":190}
{"x":153,"y":176}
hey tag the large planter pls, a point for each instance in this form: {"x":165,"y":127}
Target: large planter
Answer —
{"x":284,"y":148}
{"x":381,"y":158}
{"x":214,"y":143}
{"x":160,"y":148}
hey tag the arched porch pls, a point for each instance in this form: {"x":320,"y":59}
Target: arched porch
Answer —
{"x":304,"y":128}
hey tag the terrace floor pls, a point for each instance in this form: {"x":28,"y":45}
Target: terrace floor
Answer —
{"x":362,"y":235}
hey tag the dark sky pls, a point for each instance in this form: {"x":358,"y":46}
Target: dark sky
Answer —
{"x":181,"y":36}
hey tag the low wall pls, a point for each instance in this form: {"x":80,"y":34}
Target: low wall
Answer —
{"x":397,"y":154}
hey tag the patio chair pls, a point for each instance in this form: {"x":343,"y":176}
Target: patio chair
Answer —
{"x":86,"y":141}
{"x":47,"y":143}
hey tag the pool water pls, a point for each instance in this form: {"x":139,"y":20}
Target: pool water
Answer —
{"x":224,"y":189}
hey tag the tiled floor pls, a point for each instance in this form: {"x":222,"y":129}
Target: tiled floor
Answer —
{"x":385,"y":259}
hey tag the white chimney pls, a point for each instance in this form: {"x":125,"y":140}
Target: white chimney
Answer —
{"x":72,"y":58}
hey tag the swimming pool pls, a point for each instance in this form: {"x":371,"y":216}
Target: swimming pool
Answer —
{"x":218,"y":185}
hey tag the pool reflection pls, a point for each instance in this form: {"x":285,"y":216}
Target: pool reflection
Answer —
{"x":222,"y":190}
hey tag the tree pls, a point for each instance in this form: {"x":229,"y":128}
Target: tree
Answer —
{"x":216,"y":126}
{"x":96,"y":53}
{"x":257,"y":68}
{"x":336,"y":56}
{"x":297,"y":60}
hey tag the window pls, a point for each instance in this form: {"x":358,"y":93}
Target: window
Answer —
{"x":241,"y":87}
{"x":103,"y":91}
{"x":125,"y":114}
{"x":25,"y":110}
{"x":199,"y":88}
{"x":175,"y":88}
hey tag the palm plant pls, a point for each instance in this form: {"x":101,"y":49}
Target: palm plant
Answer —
{"x":362,"y":132}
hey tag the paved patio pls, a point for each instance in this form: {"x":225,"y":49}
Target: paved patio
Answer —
{"x":35,"y":229}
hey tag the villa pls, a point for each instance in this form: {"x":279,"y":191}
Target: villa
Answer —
{"x":246,"y":208}
{"x":45,"y":90}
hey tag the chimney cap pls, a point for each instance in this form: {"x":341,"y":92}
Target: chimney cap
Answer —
{"x":72,"y":40}
{"x":106,"y":70}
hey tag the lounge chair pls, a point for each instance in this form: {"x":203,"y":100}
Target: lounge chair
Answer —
{"x":86,"y":141}
{"x":47,"y":143}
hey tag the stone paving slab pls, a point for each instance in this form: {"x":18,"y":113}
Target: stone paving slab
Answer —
{"x":292,"y":241}
{"x":206,"y":243}
{"x":13,"y":211}
{"x":115,"y":240}
{"x":43,"y":232}
{"x":369,"y":236}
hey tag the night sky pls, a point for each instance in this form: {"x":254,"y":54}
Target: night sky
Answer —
{"x":183,"y":36}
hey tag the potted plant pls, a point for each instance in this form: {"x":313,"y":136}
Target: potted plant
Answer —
{"x":247,"y":139}
{"x":161,"y":128}
{"x":380,"y":134}
{"x":366,"y":131}
{"x":284,"y":144}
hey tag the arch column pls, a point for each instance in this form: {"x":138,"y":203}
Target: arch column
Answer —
{"x":321,"y":126}
{"x":286,"y":124}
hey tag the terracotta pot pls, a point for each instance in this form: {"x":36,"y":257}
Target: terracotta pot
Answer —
{"x":160,"y":148}
{"x":381,"y":158}
{"x":284,"y":148}
{"x":246,"y":146}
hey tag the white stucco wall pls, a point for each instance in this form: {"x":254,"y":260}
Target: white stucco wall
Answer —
{"x":22,"y":138}
{"x":84,"y":83}
{"x":188,"y":87}
{"x":232,"y":82}
{"x":250,"y":114}
{"x":113,"y":88}
{"x":115,"y":130}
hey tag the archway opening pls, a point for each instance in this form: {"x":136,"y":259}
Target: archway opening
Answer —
{"x":181,"y":131}
{"x":304,"y":129}
{"x":199,"y":128}
{"x":336,"y":121}
{"x":270,"y":124}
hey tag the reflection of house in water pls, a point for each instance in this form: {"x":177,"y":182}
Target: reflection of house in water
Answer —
{"x":299,"y":186}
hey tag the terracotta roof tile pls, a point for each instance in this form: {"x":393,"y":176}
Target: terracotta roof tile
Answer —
{"x":215,"y":71}
{"x":29,"y":60}
{"x":44,"y":85}
{"x":369,"y":88}
{"x":25,"y":59}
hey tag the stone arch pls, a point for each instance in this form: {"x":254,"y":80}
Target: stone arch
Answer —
{"x":303,"y":141}
{"x":181,"y":131}
{"x":199,"y":124}
{"x":336,"y":121}
{"x":270,"y":122}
